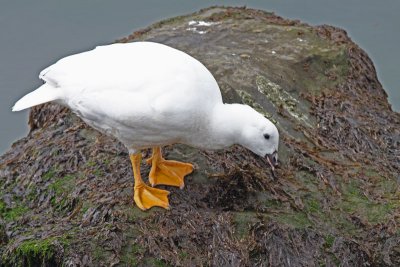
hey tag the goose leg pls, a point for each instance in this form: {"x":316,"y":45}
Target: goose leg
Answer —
{"x":167,"y":172}
{"x":145,"y":196}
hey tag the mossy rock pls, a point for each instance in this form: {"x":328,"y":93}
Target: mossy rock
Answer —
{"x":66,"y":190}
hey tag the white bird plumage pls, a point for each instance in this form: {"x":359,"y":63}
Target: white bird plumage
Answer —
{"x":147,"y":95}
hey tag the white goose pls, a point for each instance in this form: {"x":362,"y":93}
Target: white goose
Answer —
{"x":149,"y":95}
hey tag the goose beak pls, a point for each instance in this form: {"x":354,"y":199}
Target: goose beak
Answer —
{"x":272,"y":159}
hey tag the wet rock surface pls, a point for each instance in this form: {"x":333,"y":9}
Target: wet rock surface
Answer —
{"x":66,"y":189}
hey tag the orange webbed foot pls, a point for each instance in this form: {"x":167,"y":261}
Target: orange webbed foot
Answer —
{"x":167,"y":172}
{"x":147,"y":197}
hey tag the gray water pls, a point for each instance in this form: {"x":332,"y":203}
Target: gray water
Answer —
{"x":34,"y":34}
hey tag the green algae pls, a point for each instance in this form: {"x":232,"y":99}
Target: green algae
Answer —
{"x":134,"y":213}
{"x":183,"y":254}
{"x":356,"y":202}
{"x":63,"y":185}
{"x":312,"y":206}
{"x":323,"y":68}
{"x":3,"y":207}
{"x":36,"y":249}
{"x":36,"y":252}
{"x":243,"y":222}
{"x":91,"y":163}
{"x":49,"y":174}
{"x":99,"y":253}
{"x":12,"y":214}
{"x":154,"y":262}
{"x":15,"y":213}
{"x":329,"y":240}
{"x":131,"y":254}
{"x":296,"y":219}
{"x":86,"y":205}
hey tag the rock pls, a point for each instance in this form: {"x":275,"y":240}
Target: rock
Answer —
{"x":66,"y":189}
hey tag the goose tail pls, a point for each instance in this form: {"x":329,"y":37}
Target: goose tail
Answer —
{"x":43,"y":94}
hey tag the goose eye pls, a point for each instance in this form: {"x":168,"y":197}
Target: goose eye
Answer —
{"x":266,"y":136}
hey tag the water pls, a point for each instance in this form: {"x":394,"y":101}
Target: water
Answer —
{"x":34,"y":34}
